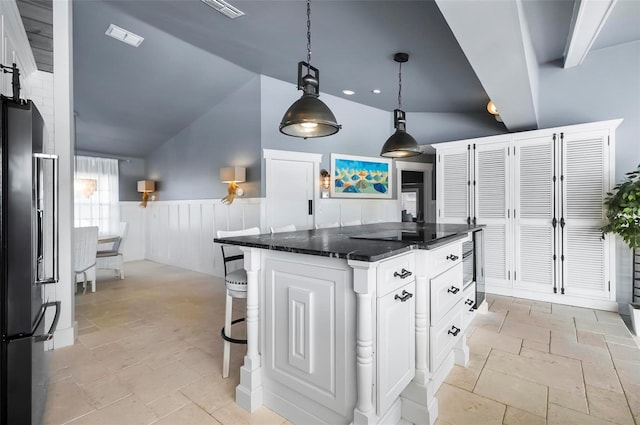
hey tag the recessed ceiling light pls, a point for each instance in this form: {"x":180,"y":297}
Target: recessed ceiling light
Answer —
{"x":376,"y":91}
{"x":225,"y":8}
{"x":348,"y":92}
{"x":123,"y":35}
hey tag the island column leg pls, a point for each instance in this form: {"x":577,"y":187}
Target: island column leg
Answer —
{"x":249,"y":392}
{"x":364,"y":279}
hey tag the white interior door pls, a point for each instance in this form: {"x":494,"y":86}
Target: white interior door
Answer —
{"x":290,"y":193}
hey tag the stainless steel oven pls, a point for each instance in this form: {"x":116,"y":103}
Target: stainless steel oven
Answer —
{"x":473,"y":264}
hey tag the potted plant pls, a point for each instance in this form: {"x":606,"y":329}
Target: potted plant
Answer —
{"x":623,"y":216}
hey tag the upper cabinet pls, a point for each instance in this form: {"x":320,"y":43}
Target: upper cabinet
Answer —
{"x":540,"y":195}
{"x":14,"y":45}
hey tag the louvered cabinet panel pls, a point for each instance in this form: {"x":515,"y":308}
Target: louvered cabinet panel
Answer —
{"x":491,"y":181}
{"x":535,"y":267}
{"x":534,"y":179}
{"x":585,"y":266}
{"x":453,"y":185}
{"x":496,"y":243}
{"x":585,"y":181}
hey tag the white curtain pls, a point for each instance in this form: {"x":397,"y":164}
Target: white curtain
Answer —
{"x":100,"y":207}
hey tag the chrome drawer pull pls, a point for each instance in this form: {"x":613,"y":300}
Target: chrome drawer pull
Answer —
{"x":453,"y":331}
{"x":453,"y":290}
{"x":405,"y":296}
{"x":468,"y":302}
{"x":403,"y":274}
{"x":452,"y":257}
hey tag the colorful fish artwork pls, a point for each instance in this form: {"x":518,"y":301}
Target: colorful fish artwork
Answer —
{"x":360,"y":176}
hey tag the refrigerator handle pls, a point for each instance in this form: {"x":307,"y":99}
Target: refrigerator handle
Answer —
{"x":49,"y":335}
{"x":55,"y":273}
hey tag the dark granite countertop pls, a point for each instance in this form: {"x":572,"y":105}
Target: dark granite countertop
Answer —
{"x":368,"y":242}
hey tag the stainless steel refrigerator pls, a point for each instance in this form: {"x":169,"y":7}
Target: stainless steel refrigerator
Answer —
{"x":28,"y":260}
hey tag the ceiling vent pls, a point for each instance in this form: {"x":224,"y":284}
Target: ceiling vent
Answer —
{"x":124,"y":35}
{"x":225,"y":8}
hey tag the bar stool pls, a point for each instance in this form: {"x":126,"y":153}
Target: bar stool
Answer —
{"x":236,"y":287}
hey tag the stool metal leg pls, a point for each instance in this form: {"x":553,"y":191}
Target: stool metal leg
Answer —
{"x":227,"y":332}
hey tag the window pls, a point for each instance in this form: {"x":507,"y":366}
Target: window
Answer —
{"x":96,"y":194}
{"x":409,"y":200}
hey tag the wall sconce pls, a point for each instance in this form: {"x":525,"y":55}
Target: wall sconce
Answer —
{"x":233,"y":176}
{"x":86,"y":186}
{"x":146,"y":187}
{"x":325,"y":183}
{"x":493,"y":110}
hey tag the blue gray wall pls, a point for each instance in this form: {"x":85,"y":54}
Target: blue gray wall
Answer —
{"x":187,"y":166}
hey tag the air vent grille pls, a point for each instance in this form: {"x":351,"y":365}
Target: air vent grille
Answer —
{"x":224,"y":8}
{"x":123,"y":35}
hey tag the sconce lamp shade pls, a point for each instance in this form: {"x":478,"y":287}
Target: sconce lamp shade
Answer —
{"x":145,"y":186}
{"x":233,"y":174}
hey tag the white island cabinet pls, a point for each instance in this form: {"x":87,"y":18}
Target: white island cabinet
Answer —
{"x":365,"y":339}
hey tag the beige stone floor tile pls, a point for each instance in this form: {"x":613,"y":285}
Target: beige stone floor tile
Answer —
{"x":105,"y":391}
{"x":130,"y":410}
{"x":608,"y":316}
{"x":549,"y":321}
{"x":573,"y":400}
{"x":150,"y":384}
{"x":460,"y":407}
{"x":234,"y":414}
{"x":211,"y":392}
{"x":586,"y":353}
{"x":591,"y":338}
{"x":534,"y":345}
{"x":513,"y":391}
{"x":463,"y":377}
{"x":620,"y":340}
{"x":188,"y":414}
{"x":625,"y":353}
{"x":517,"y":328}
{"x":629,"y":371}
{"x":515,"y":416}
{"x":538,"y":367}
{"x":65,"y":401}
{"x":558,"y":415}
{"x":437,"y":422}
{"x":489,"y":320}
{"x":504,"y":307}
{"x":200,"y":362}
{"x":478,"y":356}
{"x":613,"y":329}
{"x":487,"y":338}
{"x":609,"y":405}
{"x":601,"y":377}
{"x":168,"y":403}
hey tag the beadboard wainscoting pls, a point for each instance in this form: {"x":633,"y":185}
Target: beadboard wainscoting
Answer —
{"x":181,"y":233}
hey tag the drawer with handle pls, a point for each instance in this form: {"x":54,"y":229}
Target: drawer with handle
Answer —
{"x":445,"y":257}
{"x":395,"y":273}
{"x":446,"y":291}
{"x":469,"y":297}
{"x":444,"y":335}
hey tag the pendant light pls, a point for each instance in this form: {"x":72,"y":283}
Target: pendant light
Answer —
{"x":400,"y":144}
{"x":309,"y":116}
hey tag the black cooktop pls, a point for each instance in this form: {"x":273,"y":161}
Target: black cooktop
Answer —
{"x":419,"y":235}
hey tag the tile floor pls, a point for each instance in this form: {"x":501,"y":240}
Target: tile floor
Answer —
{"x":149,"y":352}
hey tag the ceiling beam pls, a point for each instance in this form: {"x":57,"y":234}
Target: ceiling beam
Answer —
{"x":589,"y":16}
{"x":495,"y":38}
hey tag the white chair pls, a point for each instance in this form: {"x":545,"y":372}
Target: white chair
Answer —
{"x":236,"y":284}
{"x":287,"y":228}
{"x":328,"y":225}
{"x":112,"y":258}
{"x":351,"y":223}
{"x":85,"y":244}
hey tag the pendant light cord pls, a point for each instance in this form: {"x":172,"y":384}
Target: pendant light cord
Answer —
{"x":400,"y":86}
{"x":309,"y":32}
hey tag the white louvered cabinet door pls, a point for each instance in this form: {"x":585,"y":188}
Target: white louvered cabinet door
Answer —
{"x":452,"y":185}
{"x":490,"y":208}
{"x":585,"y":268}
{"x":535,"y":207}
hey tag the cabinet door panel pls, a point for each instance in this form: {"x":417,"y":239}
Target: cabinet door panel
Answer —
{"x":492,"y":197}
{"x":453,"y":185}
{"x":396,"y":345}
{"x":535,"y":205}
{"x":585,"y":268}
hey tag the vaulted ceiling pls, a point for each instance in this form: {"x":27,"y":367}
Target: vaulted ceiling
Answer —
{"x":129,"y":100}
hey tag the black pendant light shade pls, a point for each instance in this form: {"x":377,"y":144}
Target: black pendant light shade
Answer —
{"x":309,"y":116}
{"x":401,"y":144}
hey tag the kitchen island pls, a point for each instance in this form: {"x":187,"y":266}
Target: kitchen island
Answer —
{"x":357,"y":324}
